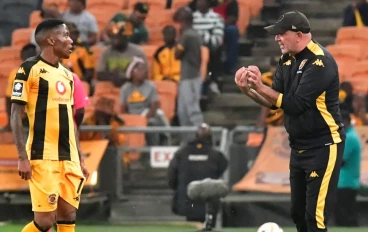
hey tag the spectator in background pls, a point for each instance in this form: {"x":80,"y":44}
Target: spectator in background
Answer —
{"x":210,"y":26}
{"x":356,"y":14}
{"x":349,"y":180}
{"x":229,"y":11}
{"x":115,"y":59}
{"x":134,"y":23}
{"x":267,"y":115}
{"x":81,"y":60}
{"x":165,"y":65}
{"x":139,"y":96}
{"x":188,"y":51}
{"x":27,"y":51}
{"x":196,"y":160}
{"x":346,"y":96}
{"x":85,"y":21}
{"x":359,"y":117}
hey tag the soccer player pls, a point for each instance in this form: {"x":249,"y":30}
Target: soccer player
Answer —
{"x":51,"y":159}
{"x":306,"y":87}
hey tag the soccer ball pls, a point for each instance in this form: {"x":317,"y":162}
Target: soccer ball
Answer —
{"x":270,"y":227}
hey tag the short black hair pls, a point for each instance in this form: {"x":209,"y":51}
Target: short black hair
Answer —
{"x":48,"y":24}
{"x":169,"y":28}
{"x":28,"y":47}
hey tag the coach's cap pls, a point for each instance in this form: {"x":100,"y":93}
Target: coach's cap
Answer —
{"x":290,"y":21}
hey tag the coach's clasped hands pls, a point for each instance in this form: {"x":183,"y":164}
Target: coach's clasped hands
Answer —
{"x":24,"y":169}
{"x":249,"y":77}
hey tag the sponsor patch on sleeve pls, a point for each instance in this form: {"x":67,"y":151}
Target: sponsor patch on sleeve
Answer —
{"x":17,"y":89}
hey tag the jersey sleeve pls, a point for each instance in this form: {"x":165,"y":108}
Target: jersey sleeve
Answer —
{"x":22,"y":85}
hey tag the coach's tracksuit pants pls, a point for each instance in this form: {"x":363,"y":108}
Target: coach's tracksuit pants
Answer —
{"x":314,"y":176}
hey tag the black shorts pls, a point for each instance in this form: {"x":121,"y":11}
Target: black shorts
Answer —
{"x":314,"y":177}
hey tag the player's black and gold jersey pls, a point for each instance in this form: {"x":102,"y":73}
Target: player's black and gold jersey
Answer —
{"x":275,"y":117}
{"x":47,"y":92}
{"x":309,"y":87}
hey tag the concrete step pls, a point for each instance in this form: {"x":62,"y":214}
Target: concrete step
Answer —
{"x":141,"y":208}
{"x":316,"y":9}
{"x":232,"y":100}
{"x":258,"y":59}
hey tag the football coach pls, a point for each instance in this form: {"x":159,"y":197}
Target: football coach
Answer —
{"x":306,"y":87}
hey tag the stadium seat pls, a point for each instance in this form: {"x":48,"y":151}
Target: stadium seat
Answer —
{"x":35,"y":18}
{"x":167,"y":93}
{"x":352,"y":35}
{"x":10,"y":56}
{"x":2,"y":104}
{"x":166,"y":18}
{"x":103,"y":16}
{"x":22,"y":36}
{"x":351,"y":52}
{"x":103,"y":88}
{"x":179,"y":3}
{"x":155,"y":35}
{"x":5,"y":137}
{"x":134,"y":139}
{"x":5,"y":70}
{"x":106,"y":5}
{"x":360,"y":70}
{"x":244,"y":18}
{"x":153,"y":4}
{"x":3,"y":83}
{"x":97,"y":51}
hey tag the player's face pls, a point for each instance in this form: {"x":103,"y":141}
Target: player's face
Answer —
{"x":63,"y":44}
{"x":287,"y":41}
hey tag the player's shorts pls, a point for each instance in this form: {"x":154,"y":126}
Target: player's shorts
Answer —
{"x":52,"y":179}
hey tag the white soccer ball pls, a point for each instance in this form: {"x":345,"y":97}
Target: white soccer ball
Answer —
{"x":270,"y":227}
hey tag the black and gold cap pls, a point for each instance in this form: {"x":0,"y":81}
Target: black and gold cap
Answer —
{"x":141,"y":7}
{"x":290,"y":21}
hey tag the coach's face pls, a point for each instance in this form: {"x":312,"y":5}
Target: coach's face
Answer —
{"x":63,"y":44}
{"x":288,"y":41}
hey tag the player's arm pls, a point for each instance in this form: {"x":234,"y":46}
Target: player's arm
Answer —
{"x":19,"y":99}
{"x":319,"y":74}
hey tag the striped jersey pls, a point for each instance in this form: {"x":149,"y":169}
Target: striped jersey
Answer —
{"x":47,"y":91}
{"x":210,"y":26}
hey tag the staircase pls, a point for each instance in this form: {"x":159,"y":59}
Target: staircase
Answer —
{"x":149,"y":198}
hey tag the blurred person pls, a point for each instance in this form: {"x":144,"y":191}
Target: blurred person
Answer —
{"x":196,"y":160}
{"x":269,"y":116}
{"x":210,"y":27}
{"x":165,"y":65}
{"x":134,"y":24}
{"x":50,"y":12}
{"x":356,"y":14}
{"x":115,"y":60}
{"x":346,"y":211}
{"x":139,"y":96}
{"x":306,"y":87}
{"x":188,"y":50}
{"x":229,"y":11}
{"x":80,"y":100}
{"x":359,"y":114}
{"x":81,"y":61}
{"x":346,"y":96}
{"x":44,"y":87}
{"x":85,"y":21}
{"x":27,"y":51}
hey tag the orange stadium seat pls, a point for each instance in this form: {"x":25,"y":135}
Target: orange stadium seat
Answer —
{"x":179,"y":3}
{"x":2,"y":105}
{"x":153,"y":4}
{"x":150,"y":51}
{"x":351,"y":52}
{"x":155,"y":35}
{"x":244,"y":18}
{"x":103,"y":16}
{"x":5,"y":137}
{"x":166,"y":18}
{"x":205,"y":53}
{"x":22,"y":36}
{"x":344,"y":68}
{"x":134,"y":139}
{"x":35,"y":18}
{"x":167,"y":92}
{"x":97,"y":51}
{"x":5,"y":70}
{"x":360,"y":70}
{"x":106,"y":5}
{"x":10,"y":56}
{"x":352,"y":35}
{"x":103,"y":88}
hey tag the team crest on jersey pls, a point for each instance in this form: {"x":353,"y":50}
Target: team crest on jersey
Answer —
{"x":302,"y":64}
{"x":17,"y":89}
{"x":60,"y":88}
{"x":52,"y":199}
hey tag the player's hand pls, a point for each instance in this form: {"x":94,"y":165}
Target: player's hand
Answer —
{"x":24,"y":169}
{"x":241,"y":78}
{"x":84,"y":170}
{"x":254,"y":77}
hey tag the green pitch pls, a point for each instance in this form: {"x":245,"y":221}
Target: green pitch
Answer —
{"x":160,"y":228}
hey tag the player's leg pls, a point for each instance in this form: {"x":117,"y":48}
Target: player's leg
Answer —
{"x":72,"y":185}
{"x":322,"y":179}
{"x":298,"y":193}
{"x":44,"y":189}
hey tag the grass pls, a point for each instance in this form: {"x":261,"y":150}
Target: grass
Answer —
{"x":160,"y":228}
